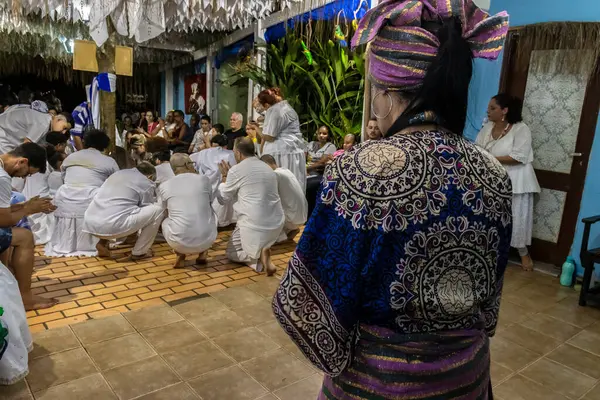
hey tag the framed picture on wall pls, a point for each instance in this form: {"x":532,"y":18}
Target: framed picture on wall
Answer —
{"x":195,"y":94}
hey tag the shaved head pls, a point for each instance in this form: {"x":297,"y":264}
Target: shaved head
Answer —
{"x":182,"y":163}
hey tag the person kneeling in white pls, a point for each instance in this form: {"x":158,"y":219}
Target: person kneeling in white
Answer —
{"x":258,"y":206}
{"x":293,"y":200}
{"x":123,"y":206}
{"x":190,"y":226}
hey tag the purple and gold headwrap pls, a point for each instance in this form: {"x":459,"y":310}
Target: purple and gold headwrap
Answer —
{"x":402,"y":49}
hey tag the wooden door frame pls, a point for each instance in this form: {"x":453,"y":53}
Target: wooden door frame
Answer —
{"x":573,"y":183}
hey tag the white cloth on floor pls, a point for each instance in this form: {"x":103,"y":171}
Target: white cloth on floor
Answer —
{"x":522,"y":228}
{"x":14,"y":362}
{"x":252,"y":186}
{"x":190,"y":226}
{"x":83,"y":173}
{"x":164,"y":172}
{"x":42,"y":225}
{"x":19,"y":123}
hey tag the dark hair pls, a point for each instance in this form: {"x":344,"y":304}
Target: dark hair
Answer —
{"x":205,"y":118}
{"x":156,"y":144}
{"x":162,"y":156}
{"x":34,"y":153}
{"x":328,"y":131}
{"x":54,"y":157}
{"x":219,"y":128}
{"x":56,"y":138}
{"x":96,"y":139}
{"x":269,"y":159}
{"x":245,"y":146}
{"x":146,"y":168}
{"x":220,"y":140}
{"x":178,"y":112}
{"x":445,"y":88}
{"x":514,"y":105}
{"x":267,"y":97}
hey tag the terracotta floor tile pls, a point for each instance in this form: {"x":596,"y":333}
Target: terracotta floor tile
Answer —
{"x":67,"y":321}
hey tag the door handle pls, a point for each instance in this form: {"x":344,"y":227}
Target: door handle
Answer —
{"x":575,"y":154}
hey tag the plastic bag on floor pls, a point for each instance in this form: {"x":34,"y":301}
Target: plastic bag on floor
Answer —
{"x":14,"y":362}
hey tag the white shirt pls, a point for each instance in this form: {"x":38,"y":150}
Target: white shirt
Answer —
{"x":37,"y":184}
{"x":164,"y":172}
{"x":55,"y":181}
{"x":516,"y":144}
{"x":20,"y":123}
{"x":207,"y":163}
{"x":5,"y":189}
{"x":252,"y":187}
{"x":316,"y":152}
{"x":283,"y":124}
{"x":293,"y":200}
{"x":191,"y":221}
{"x":123,"y":193}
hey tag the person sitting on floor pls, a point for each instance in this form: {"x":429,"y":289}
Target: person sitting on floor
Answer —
{"x":191,"y":226}
{"x":293,"y":200}
{"x":24,"y":160}
{"x":164,"y":172}
{"x":252,"y":186}
{"x":83,"y":173}
{"x":123,"y":206}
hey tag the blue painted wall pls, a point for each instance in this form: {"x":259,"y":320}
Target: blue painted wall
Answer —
{"x":487,"y":76}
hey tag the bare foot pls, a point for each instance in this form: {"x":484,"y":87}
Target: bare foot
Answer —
{"x":135,"y":257}
{"x":527,"y":263}
{"x":34,"y":302}
{"x":292,"y":234}
{"x":102,"y":248}
{"x":179,"y":261}
{"x":265,"y":259}
{"x":201,"y":260}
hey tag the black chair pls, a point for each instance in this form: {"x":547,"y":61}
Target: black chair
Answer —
{"x":589,"y":257}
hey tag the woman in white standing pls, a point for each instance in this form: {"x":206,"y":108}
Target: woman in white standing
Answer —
{"x":84,"y":172}
{"x":281,"y":135}
{"x":508,"y":139}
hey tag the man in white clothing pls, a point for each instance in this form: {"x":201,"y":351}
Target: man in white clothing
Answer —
{"x":191,"y":226}
{"x":252,"y":186}
{"x":123,"y":206}
{"x":293,"y":200}
{"x":164,"y":172}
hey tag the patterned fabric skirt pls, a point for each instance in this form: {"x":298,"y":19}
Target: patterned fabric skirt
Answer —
{"x":425,"y":366}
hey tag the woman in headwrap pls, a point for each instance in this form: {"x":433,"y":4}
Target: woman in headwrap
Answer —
{"x":394,"y":288}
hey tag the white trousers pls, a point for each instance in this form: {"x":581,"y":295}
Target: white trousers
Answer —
{"x":147,"y":221}
{"x":246,"y":245}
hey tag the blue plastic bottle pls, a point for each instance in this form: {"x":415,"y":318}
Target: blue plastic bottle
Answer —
{"x":568,"y":268}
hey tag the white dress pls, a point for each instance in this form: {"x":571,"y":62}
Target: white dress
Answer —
{"x":293,"y":201}
{"x":207,"y":163}
{"x":191,"y":225}
{"x":252,"y":187}
{"x":83,"y":173}
{"x":516,"y":144}
{"x":42,"y":225}
{"x":19,"y":123}
{"x":288,"y":148}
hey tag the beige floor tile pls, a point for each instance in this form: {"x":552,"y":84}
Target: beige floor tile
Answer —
{"x":550,"y":326}
{"x":180,"y":391}
{"x":308,"y":388}
{"x":511,"y":313}
{"x":266,"y":288}
{"x":268,"y":397}
{"x":499,"y":373}
{"x":277,"y":369}
{"x":588,"y":341}
{"x":237,"y":297}
{"x":152,"y":317}
{"x":120,"y":351}
{"x":593,"y":394}
{"x":532,"y":302}
{"x":256,"y":314}
{"x":18,"y":391}
{"x":59,"y":368}
{"x":220,"y":322}
{"x":92,"y":387}
{"x":172,"y":337}
{"x":530,"y":339}
{"x":230,"y":383}
{"x":246,"y":344}
{"x":275,"y":332}
{"x":143,"y":377}
{"x":559,"y":378}
{"x":580,"y":360}
{"x":573,"y":314}
{"x":53,"y":341}
{"x":521,"y":388}
{"x":199,"y":308}
{"x":192,"y":361}
{"x":97,"y":330}
{"x":511,"y":355}
{"x":595,"y":328}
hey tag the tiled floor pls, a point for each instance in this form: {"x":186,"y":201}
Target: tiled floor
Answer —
{"x":225,"y":345}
